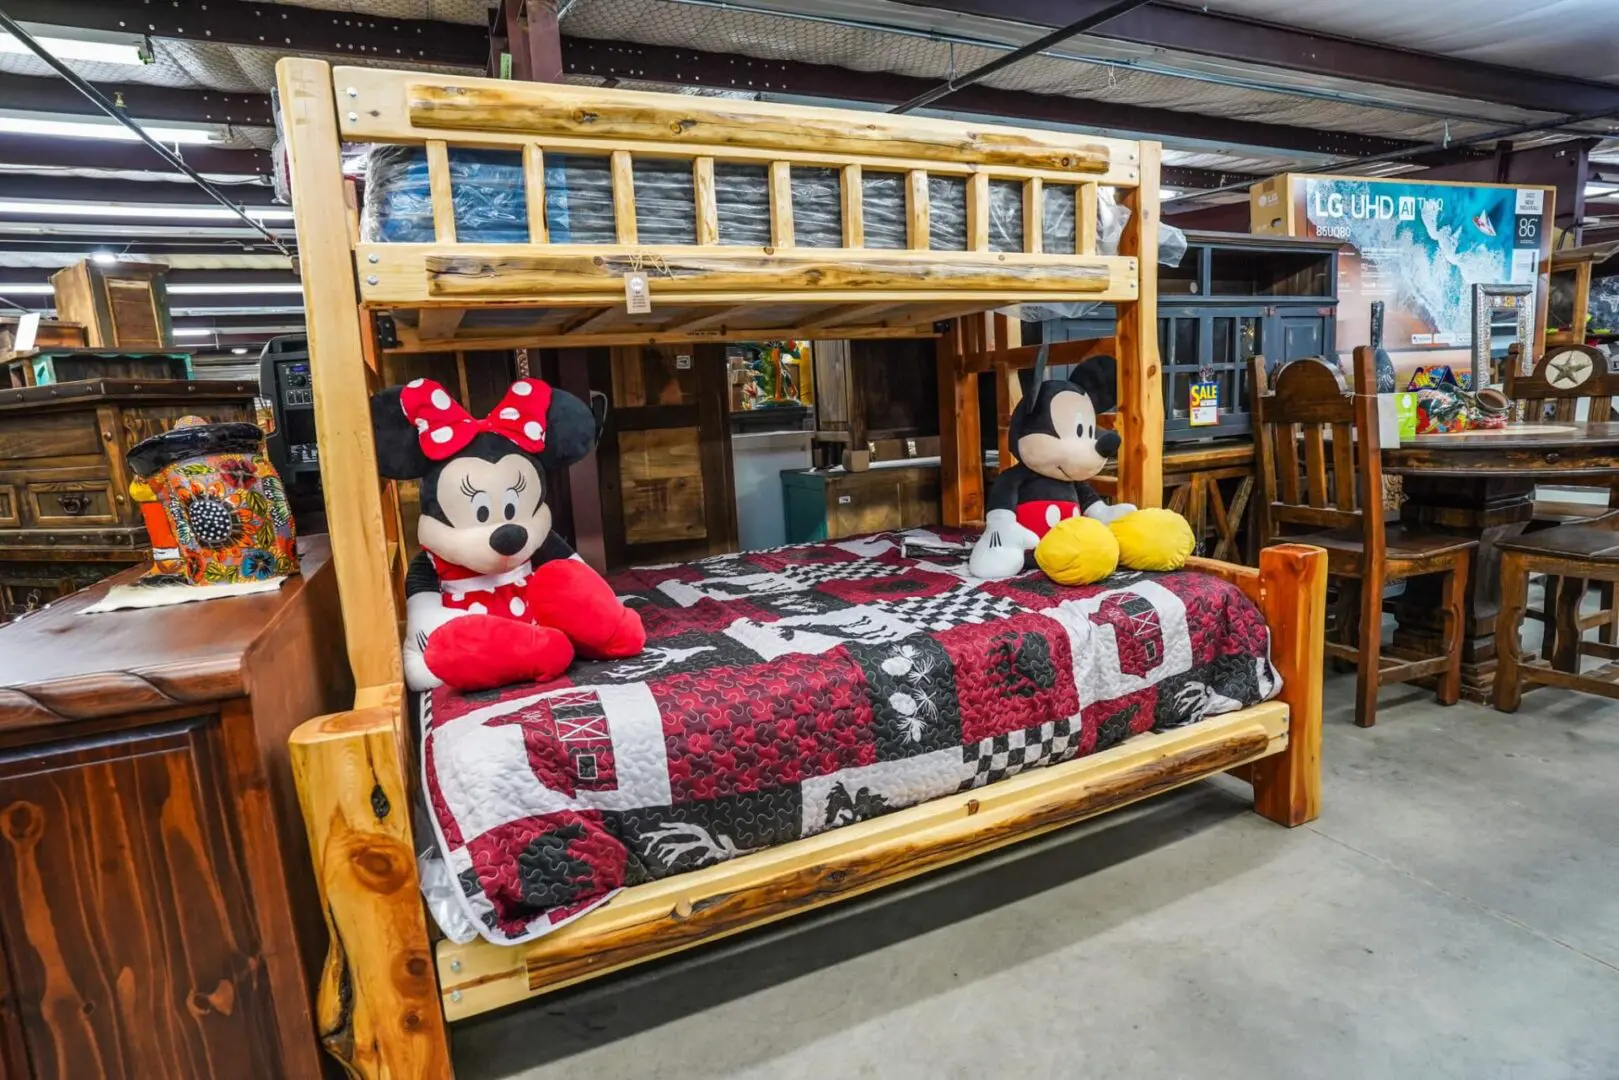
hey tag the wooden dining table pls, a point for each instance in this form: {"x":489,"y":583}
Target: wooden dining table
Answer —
{"x":1481,"y":484}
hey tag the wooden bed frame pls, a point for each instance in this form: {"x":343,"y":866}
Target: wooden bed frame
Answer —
{"x":388,"y":988}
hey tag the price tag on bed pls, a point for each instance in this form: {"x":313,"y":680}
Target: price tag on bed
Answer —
{"x":637,"y":294}
{"x":1205,"y":404}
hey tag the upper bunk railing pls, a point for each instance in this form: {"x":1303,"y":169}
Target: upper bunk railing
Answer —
{"x":972,"y":221}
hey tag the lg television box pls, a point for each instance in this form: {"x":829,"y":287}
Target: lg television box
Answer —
{"x":1420,"y":247}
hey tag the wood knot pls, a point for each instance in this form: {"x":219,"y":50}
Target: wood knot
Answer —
{"x":683,"y":125}
{"x":972,"y":807}
{"x":682,"y":909}
{"x":1065,"y":162}
{"x":25,"y":823}
{"x":416,"y":967}
{"x":412,"y":1021}
{"x":380,"y":806}
{"x":378,"y":870}
{"x":585,"y":116}
{"x":837,"y":876}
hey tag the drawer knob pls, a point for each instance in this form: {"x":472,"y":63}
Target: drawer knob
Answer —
{"x":1553,"y":457}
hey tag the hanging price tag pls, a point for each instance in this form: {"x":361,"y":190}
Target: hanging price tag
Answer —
{"x":1204,"y":408}
{"x":637,"y":294}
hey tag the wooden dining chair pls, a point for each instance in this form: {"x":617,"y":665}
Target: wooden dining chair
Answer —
{"x":1331,"y":495}
{"x":1563,"y":379}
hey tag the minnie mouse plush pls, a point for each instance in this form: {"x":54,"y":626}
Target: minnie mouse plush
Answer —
{"x":495,"y":597}
{"x":1054,"y":434}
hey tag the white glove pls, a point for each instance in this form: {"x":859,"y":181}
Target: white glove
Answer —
{"x":999,"y":552}
{"x":1106,"y":514}
{"x":424,"y":613}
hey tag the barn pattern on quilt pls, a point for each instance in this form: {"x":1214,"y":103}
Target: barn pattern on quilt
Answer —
{"x":787,"y":692}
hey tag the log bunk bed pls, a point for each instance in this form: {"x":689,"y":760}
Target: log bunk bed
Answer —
{"x":388,"y":988}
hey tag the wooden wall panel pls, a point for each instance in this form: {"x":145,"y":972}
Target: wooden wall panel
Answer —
{"x":661,"y":475}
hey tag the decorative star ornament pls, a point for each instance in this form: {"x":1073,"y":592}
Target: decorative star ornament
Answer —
{"x":1568,"y":369}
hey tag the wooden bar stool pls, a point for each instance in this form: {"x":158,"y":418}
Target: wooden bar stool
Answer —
{"x":1574,"y":555}
{"x":1333,"y":496}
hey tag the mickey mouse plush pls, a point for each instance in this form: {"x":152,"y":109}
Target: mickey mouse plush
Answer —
{"x":1059,"y":447}
{"x":495,"y":597}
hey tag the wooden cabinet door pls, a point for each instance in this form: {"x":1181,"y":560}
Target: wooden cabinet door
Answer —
{"x":129,"y":947}
{"x":665,"y":454}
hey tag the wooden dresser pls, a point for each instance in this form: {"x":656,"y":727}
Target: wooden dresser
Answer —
{"x":158,"y":916}
{"x":66,"y":519}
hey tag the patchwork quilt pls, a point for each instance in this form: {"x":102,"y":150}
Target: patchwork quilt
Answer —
{"x":787,"y":692}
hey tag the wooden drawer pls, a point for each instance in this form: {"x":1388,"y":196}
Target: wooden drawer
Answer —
{"x":57,"y":503}
{"x":10,"y":506}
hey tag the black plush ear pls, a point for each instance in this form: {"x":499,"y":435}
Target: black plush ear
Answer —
{"x":1099,"y":378}
{"x":399,"y":453}
{"x":570,"y":431}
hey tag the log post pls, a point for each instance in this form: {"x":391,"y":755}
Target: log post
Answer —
{"x":1141,"y":388}
{"x":377,"y":1010}
{"x":961,"y":460}
{"x":1293,"y":597}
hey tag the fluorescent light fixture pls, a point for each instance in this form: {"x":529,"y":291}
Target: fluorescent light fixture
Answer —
{"x":231,"y":290}
{"x":238,"y":351}
{"x":1169,"y":193}
{"x":109,"y":129}
{"x":1600,"y":190}
{"x":103,"y":258}
{"x":26,"y":289}
{"x":192,"y":331}
{"x":140,"y":210}
{"x":114,"y":49}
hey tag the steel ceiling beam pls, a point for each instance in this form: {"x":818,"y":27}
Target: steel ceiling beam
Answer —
{"x":281,"y":27}
{"x":50,"y":94}
{"x":692,"y":67}
{"x":97,"y":191}
{"x":43,"y":151}
{"x":296,"y":29}
{"x":1249,"y":41}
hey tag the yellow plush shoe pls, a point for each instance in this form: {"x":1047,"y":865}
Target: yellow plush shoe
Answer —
{"x":1077,"y":551}
{"x":1153,"y":539}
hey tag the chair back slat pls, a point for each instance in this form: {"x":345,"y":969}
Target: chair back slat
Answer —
{"x":1315,"y":464}
{"x":1287,"y":461}
{"x":1319,"y":487}
{"x":1343,"y":466}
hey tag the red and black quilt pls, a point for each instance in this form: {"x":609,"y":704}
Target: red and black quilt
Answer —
{"x":790,"y":691}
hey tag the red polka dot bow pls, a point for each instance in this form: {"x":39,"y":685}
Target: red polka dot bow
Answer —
{"x":444,"y":428}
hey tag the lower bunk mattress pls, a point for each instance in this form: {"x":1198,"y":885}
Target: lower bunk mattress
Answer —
{"x":787,"y":692}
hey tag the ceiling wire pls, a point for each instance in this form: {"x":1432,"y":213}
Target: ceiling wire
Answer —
{"x":1033,"y":48}
{"x":100,"y":101}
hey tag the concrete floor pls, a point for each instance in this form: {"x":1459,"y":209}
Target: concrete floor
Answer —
{"x":1454,"y":913}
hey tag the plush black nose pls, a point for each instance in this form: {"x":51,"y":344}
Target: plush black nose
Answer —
{"x":1107,"y":443}
{"x":508,"y":539}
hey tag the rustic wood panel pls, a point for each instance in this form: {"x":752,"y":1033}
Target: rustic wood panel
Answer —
{"x":150,"y":970}
{"x":652,"y":376}
{"x":661,"y":473}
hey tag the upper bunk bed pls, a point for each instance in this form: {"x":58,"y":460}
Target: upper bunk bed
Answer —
{"x":501,"y":213}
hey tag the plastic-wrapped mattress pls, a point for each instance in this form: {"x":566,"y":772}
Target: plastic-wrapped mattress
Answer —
{"x":491,"y":206}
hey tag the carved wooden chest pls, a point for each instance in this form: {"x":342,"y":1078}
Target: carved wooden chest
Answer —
{"x":66,"y":518}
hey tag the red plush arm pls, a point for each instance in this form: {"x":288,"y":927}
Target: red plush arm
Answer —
{"x":569,"y":595}
{"x":480,"y":652}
